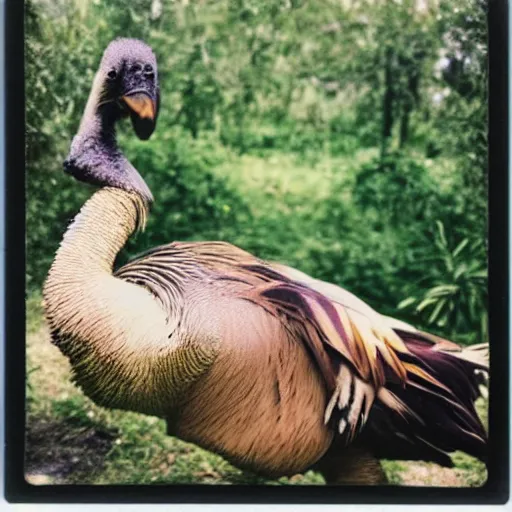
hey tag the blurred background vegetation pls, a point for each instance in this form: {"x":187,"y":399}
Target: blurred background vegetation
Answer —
{"x":346,"y":138}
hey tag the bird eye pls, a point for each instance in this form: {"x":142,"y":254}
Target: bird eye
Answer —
{"x":148,"y":71}
{"x":112,"y":74}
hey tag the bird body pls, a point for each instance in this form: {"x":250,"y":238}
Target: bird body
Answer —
{"x":272,"y":369}
{"x":129,"y":351}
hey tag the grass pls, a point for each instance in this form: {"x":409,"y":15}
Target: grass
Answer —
{"x":71,"y":440}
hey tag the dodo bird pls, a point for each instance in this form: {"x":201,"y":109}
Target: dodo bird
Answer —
{"x":274,"y":370}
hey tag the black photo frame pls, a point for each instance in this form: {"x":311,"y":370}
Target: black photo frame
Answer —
{"x":495,"y":490}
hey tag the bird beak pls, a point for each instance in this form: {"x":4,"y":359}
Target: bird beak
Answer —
{"x":142,"y":105}
{"x":143,"y":111}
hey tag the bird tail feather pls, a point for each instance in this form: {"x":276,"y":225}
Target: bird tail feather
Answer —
{"x":439,"y":420}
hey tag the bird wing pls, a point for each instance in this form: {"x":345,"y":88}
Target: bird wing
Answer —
{"x":432,"y":409}
{"x":478,"y":354}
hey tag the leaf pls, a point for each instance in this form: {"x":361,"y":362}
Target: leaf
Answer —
{"x":424,"y":303}
{"x":460,"y":247}
{"x":459,"y":271}
{"x":443,"y":289}
{"x":472,"y":306}
{"x":484,"y":326}
{"x":480,"y":274}
{"x":407,"y":302}
{"x":443,"y":321}
{"x":441,"y":233}
{"x":437,"y":310}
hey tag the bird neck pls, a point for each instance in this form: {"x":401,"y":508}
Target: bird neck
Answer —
{"x":125,"y":350}
{"x":99,"y":232}
{"x":97,"y":126}
{"x":94,"y":156}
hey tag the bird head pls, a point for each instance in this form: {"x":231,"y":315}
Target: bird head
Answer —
{"x":129,"y":82}
{"x":125,"y":85}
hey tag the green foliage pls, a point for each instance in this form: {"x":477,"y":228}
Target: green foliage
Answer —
{"x":398,"y":190}
{"x":395,"y":249}
{"x":60,"y":65}
{"x":192,"y":202}
{"x":455,"y":296}
{"x":460,"y":125}
{"x":307,"y":142}
{"x":272,"y":117}
{"x":266,"y":108}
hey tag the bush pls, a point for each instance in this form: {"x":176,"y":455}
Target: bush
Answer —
{"x":307,"y":142}
{"x":404,"y":244}
{"x":190,"y":201}
{"x":398,"y":190}
{"x":454,"y":297}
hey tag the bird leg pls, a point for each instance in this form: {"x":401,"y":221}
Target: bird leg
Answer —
{"x":351,"y":466}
